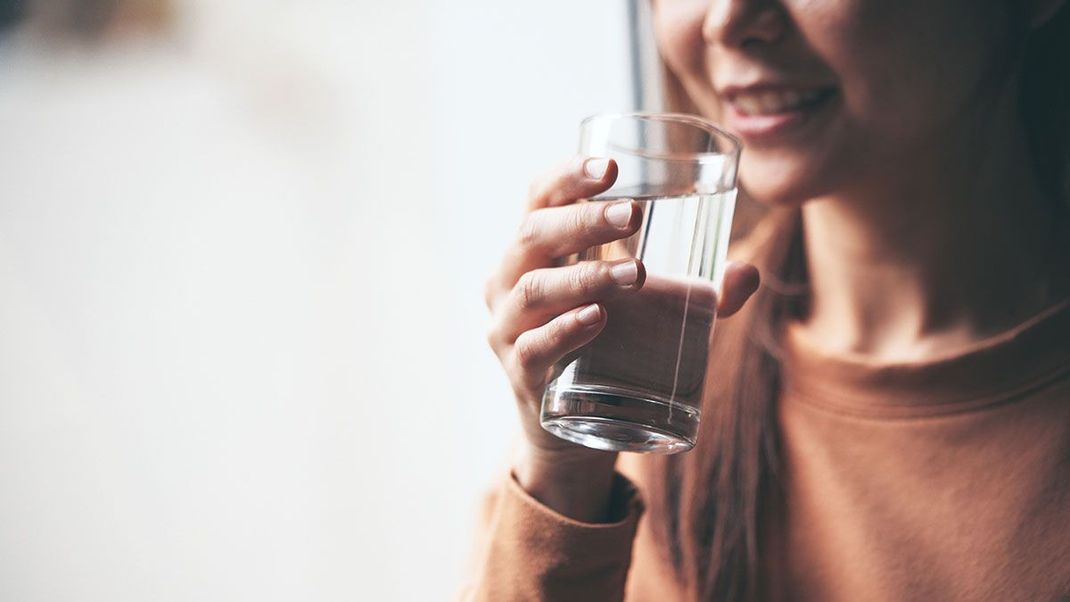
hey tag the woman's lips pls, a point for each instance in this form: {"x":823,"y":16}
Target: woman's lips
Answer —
{"x":764,"y":116}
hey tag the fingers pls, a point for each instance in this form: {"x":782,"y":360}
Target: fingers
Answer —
{"x":561,"y":231}
{"x":536,"y":350}
{"x":741,"y":280}
{"x":582,"y":177}
{"x":554,"y":232}
{"x":542,"y":294}
{"x":579,"y":178}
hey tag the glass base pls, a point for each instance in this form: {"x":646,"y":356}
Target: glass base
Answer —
{"x":613,"y":419}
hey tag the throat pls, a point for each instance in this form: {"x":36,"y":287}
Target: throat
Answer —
{"x":903,"y":296}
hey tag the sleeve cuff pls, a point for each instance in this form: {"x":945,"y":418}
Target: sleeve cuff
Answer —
{"x":626,"y":506}
{"x":537,"y":553}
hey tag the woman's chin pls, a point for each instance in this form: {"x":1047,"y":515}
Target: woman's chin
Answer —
{"x":778,"y":183}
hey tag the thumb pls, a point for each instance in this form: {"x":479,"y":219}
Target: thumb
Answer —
{"x":741,"y":280}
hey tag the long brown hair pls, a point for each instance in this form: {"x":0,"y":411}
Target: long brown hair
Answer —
{"x":710,"y":509}
{"x":89,"y":19}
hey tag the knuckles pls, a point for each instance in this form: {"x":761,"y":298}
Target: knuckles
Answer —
{"x":578,"y":222}
{"x":529,"y":291}
{"x":543,"y":189}
{"x":541,"y":231}
{"x":525,"y":354}
{"x":527,"y":236}
{"x":585,"y":279}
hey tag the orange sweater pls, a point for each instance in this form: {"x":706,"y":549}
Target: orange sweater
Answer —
{"x":942,"y":480}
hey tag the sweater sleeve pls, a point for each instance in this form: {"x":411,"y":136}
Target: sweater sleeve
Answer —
{"x":532,"y":553}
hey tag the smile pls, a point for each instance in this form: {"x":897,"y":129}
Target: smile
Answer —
{"x":772,"y":102}
{"x":776,"y":116}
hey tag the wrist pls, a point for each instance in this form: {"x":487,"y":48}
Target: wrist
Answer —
{"x":577,"y":483}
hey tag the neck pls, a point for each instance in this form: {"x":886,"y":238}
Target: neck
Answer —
{"x":957,"y":247}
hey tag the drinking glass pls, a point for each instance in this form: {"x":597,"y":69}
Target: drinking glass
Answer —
{"x":638,"y":385}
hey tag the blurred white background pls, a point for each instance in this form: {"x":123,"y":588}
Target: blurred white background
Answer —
{"x":241,"y":328}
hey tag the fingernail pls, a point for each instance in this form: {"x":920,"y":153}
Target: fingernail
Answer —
{"x":619,"y":214}
{"x":596,"y":168}
{"x":625,"y":273}
{"x":589,"y":315}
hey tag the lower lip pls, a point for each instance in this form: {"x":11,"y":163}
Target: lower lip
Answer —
{"x":776,"y":126}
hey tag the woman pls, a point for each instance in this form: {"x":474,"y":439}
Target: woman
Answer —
{"x":890,"y":413}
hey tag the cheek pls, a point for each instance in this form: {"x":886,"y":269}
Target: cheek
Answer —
{"x":910,"y":67}
{"x":678,"y":32}
{"x":908,"y":71}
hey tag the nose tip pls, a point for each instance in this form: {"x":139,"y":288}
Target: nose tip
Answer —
{"x":737,"y":23}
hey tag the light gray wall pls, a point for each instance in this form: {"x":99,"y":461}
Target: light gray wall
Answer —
{"x":241,"y":326}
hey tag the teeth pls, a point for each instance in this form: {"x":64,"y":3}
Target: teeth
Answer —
{"x":748,"y":105}
{"x":768,"y":103}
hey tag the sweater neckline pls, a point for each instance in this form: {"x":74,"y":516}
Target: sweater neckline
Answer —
{"x":993,"y":371}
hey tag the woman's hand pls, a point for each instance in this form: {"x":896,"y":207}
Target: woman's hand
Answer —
{"x":542,"y":312}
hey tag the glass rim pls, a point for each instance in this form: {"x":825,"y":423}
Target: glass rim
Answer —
{"x":685,"y":118}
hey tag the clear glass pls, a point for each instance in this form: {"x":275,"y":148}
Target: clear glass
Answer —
{"x":639,"y":385}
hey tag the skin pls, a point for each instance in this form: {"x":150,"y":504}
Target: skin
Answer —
{"x":926,"y":227}
{"x":535,"y":308}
